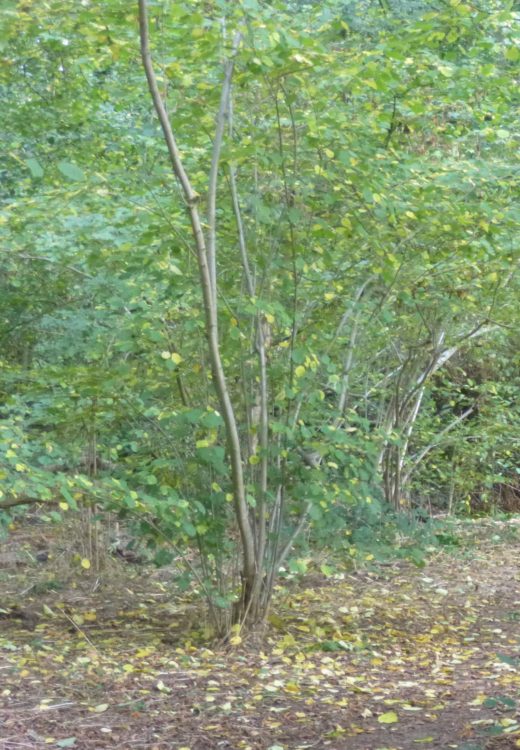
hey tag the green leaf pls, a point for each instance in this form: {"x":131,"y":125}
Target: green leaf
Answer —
{"x":213,"y":456}
{"x":71,"y":171}
{"x":190,"y":529}
{"x":67,"y":742}
{"x":68,"y":497}
{"x":512,"y":661}
{"x":35,"y":168}
{"x":327,"y":570}
{"x":162,"y":557}
{"x":331,"y":646}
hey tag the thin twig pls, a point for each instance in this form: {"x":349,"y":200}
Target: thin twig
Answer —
{"x":80,"y":631}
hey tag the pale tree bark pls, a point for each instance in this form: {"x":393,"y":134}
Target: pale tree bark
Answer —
{"x":405,"y":406}
{"x":260,"y":407}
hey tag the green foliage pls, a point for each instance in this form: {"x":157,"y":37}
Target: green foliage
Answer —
{"x":376,"y":163}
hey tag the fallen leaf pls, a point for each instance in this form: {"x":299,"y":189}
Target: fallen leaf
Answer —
{"x":389,"y":718}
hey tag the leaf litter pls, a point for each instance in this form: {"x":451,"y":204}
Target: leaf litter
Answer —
{"x":387,"y":658}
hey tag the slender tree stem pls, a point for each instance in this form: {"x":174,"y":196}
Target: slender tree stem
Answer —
{"x":210,"y":307}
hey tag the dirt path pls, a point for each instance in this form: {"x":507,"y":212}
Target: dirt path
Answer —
{"x":392,"y":659}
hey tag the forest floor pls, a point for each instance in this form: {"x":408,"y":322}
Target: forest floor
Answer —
{"x":389,"y":657}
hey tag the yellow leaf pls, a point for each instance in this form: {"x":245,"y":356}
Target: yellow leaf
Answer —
{"x":100,"y":708}
{"x":300,"y":371}
{"x":176,"y":358}
{"x":389,"y":718}
{"x":90,"y":617}
{"x":64,"y":505}
{"x":85,"y":563}
{"x":165,"y":355}
{"x":507,"y":722}
{"x":236,"y":640}
{"x":162,"y":687}
{"x":269,"y":318}
{"x":128,"y":668}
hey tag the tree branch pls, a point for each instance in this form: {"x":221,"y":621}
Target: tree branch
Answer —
{"x":215,"y":160}
{"x":417,"y":459}
{"x":13,"y":502}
